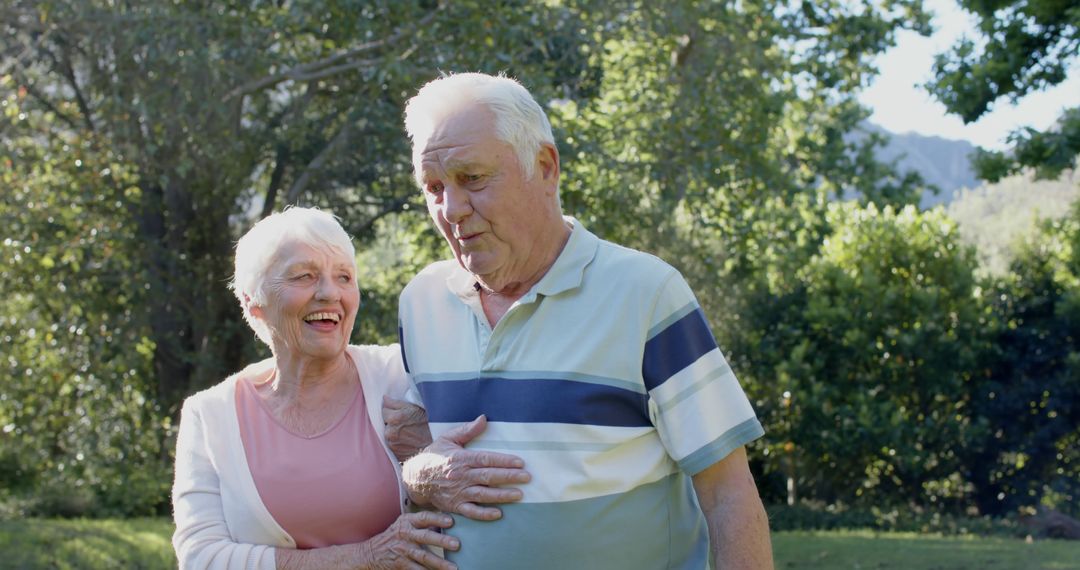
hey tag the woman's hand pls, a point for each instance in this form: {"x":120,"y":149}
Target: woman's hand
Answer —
{"x":406,"y":427}
{"x":402,"y":545}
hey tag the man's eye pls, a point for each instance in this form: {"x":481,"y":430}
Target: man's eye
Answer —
{"x":302,"y":276}
{"x":345,"y":278}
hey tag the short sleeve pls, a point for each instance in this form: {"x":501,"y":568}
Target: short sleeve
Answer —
{"x":695,"y":400}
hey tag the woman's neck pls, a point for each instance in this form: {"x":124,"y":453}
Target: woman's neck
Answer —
{"x":310,"y":381}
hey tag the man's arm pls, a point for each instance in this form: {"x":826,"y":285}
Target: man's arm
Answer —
{"x":407,"y":431}
{"x":738,"y":526}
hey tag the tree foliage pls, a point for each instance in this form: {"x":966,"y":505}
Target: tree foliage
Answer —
{"x":1030,"y":399}
{"x":1025,"y":46}
{"x":80,"y":423}
{"x":996,"y":217}
{"x":863,"y":364}
{"x":1048,"y":153}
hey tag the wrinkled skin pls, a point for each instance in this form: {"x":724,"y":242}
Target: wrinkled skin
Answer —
{"x":401,"y":545}
{"x":406,"y":427}
{"x":454,"y":479}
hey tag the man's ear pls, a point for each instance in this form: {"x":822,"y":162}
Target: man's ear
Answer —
{"x":548,"y":160}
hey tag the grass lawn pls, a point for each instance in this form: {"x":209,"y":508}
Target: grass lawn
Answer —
{"x":144,"y":544}
{"x":139,"y":544}
{"x":866,"y":549}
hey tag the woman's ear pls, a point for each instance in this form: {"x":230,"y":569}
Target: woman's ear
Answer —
{"x":253,"y":310}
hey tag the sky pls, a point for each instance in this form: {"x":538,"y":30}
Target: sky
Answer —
{"x":900,"y":105}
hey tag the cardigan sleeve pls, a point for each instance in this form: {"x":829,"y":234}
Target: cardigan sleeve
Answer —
{"x":202,"y":539}
{"x":401,"y":382}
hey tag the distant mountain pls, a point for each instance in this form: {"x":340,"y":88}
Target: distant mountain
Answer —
{"x":942,"y":162}
{"x":994,"y":218}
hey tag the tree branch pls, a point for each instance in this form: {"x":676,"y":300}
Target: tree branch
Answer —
{"x":67,"y":71}
{"x":318,"y":162}
{"x":329,"y":65}
{"x":272,"y":189}
{"x":40,"y":98}
{"x":84,"y":107}
{"x":392,"y":207}
{"x":327,"y":72}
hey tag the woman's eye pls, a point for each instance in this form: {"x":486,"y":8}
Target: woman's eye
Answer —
{"x":303,"y":277}
{"x":345,"y":278}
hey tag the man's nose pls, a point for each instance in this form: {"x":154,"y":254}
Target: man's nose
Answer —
{"x":456,"y":204}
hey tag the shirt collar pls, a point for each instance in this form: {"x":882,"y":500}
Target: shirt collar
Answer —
{"x":565,"y":274}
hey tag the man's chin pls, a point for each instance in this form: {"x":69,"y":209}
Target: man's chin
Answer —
{"x":478,"y":265}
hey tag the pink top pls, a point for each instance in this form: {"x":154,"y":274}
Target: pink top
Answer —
{"x":336,"y":487}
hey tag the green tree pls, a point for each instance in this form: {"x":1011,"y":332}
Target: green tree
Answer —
{"x":78,"y":422}
{"x":1027,"y":45}
{"x":873,"y":355}
{"x":1030,"y":399}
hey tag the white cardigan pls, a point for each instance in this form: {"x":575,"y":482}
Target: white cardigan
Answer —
{"x":221,"y":522}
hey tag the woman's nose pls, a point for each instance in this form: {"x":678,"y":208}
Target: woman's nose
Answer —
{"x":326,"y":290}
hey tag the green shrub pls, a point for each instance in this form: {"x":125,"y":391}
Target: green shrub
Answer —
{"x":817,"y":516}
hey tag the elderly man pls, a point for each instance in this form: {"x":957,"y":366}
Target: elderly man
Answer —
{"x":596,"y":408}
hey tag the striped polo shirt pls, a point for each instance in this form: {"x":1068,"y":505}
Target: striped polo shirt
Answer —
{"x":606,"y":380}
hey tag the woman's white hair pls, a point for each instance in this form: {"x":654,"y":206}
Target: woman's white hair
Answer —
{"x":258,"y":250}
{"x":519,"y":120}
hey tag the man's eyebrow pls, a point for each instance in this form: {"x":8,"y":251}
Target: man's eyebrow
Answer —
{"x":450,"y":165}
{"x":462,"y":163}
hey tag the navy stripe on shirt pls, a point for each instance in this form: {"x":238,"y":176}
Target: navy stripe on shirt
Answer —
{"x":675,"y":348}
{"x":401,"y":343}
{"x":534,"y":401}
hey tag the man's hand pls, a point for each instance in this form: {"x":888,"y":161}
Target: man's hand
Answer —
{"x":406,"y":427}
{"x":457,"y":480}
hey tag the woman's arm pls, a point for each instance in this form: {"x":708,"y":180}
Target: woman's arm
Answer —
{"x":202,"y":539}
{"x":203,"y":542}
{"x":400,"y":546}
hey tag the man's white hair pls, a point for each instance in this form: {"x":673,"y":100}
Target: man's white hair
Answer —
{"x":519,"y":120}
{"x":258,"y":250}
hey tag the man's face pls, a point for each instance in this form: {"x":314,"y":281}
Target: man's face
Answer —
{"x":491,"y":216}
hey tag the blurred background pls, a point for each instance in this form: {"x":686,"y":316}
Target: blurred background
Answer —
{"x":903,"y":309}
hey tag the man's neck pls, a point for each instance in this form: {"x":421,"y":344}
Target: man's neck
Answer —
{"x":497,"y":298}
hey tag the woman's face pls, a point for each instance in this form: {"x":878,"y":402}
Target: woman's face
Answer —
{"x":311,"y":301}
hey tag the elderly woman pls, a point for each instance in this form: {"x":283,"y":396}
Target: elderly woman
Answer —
{"x":285,"y":464}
